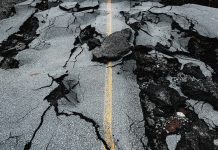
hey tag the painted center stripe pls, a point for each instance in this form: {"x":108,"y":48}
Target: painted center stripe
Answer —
{"x":108,"y":135}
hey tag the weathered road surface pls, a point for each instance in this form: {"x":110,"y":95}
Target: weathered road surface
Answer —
{"x":110,"y":74}
{"x":108,"y":96}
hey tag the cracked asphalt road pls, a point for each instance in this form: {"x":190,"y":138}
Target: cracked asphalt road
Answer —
{"x":29,"y":119}
{"x":110,"y":74}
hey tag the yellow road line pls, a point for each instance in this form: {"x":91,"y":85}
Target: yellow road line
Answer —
{"x":108,"y":135}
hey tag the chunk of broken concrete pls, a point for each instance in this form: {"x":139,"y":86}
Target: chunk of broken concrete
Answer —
{"x":114,"y":46}
{"x":201,"y":90}
{"x":93,"y":4}
{"x":67,"y":6}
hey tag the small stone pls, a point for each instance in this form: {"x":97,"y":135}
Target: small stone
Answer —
{"x":180,"y":114}
{"x":172,"y":141}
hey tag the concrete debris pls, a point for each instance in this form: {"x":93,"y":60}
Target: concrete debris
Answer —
{"x":69,"y":6}
{"x":113,"y":47}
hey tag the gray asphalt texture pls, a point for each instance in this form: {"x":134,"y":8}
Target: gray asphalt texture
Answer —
{"x":22,"y":103}
{"x":26,"y":116}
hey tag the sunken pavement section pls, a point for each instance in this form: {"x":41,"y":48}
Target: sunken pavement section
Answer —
{"x":176,"y":58}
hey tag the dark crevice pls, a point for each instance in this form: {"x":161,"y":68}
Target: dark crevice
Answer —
{"x":88,"y":120}
{"x":71,"y":53}
{"x":61,"y":92}
{"x":29,"y":144}
{"x":20,"y":40}
{"x":75,"y":58}
{"x":89,"y":35}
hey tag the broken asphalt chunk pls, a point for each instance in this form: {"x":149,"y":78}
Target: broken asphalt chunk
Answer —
{"x":77,"y":7}
{"x":114,"y":46}
{"x":202,"y":90}
{"x":88,"y":4}
{"x":193,"y":70}
{"x":88,"y":35}
{"x":69,"y":6}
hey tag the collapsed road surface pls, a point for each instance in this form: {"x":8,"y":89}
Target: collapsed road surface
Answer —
{"x":114,"y":75}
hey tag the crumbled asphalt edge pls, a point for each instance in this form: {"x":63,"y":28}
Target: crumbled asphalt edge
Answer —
{"x":79,"y":9}
{"x":19,"y":41}
{"x":88,"y":36}
{"x":71,"y":53}
{"x":157,"y":134}
{"x":57,"y":94}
